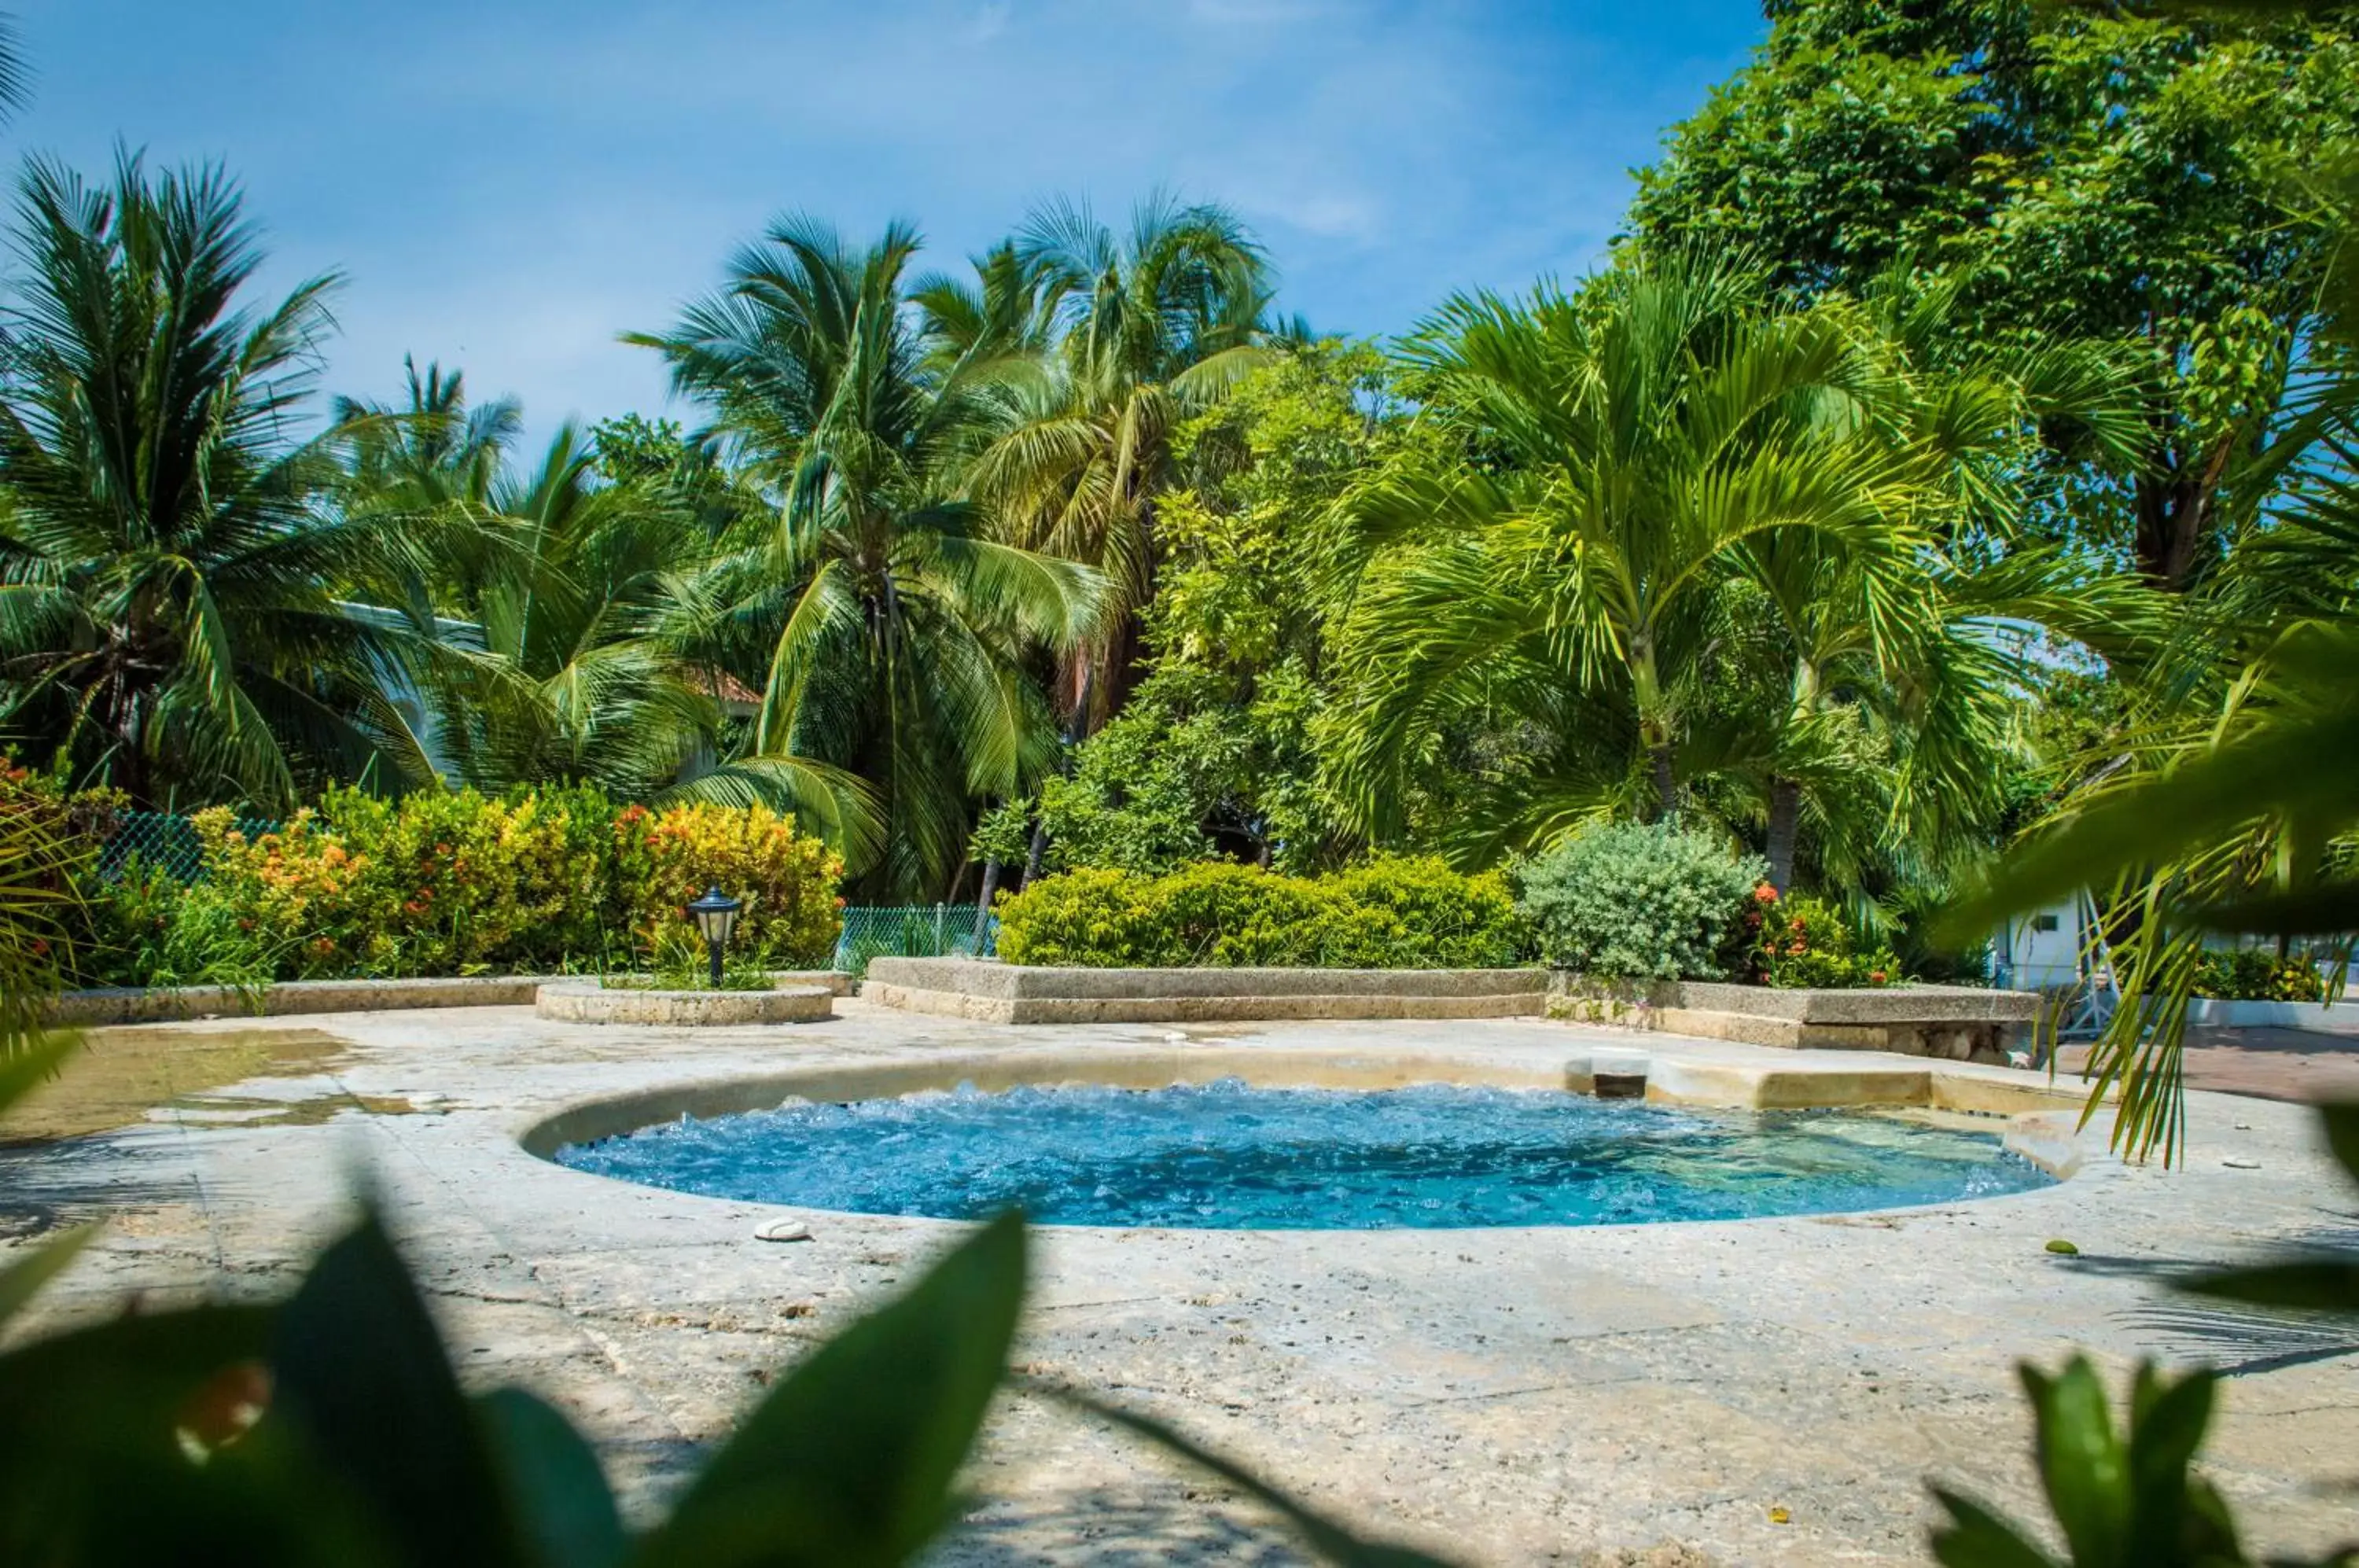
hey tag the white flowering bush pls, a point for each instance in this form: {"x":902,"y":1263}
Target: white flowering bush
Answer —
{"x":1639,"y":901}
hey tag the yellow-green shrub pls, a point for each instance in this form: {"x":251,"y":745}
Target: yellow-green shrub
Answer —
{"x":1388,"y":914}
{"x":787,"y":883}
{"x":461,"y":883}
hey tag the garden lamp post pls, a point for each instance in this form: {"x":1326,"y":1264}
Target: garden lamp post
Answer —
{"x":715,"y":915}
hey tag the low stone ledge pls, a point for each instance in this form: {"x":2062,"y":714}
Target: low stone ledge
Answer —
{"x":178,"y":1004}
{"x":1957,"y":1023}
{"x":587,"y":1002}
{"x":987,"y":991}
{"x":2314,"y":1018}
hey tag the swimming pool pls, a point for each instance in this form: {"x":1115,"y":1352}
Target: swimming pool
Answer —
{"x":1229,"y":1156}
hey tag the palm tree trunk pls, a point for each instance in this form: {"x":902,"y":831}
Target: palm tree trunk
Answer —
{"x":1032,"y":856}
{"x":983,"y":904}
{"x":1785,"y":828}
{"x":1666,"y":789}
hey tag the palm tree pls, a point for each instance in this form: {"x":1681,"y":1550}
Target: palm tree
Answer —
{"x":437,"y":450}
{"x":1568,"y":573}
{"x":1147,"y":327}
{"x":571,"y":683}
{"x":886,"y":633}
{"x":173,"y":581}
{"x":15,"y":77}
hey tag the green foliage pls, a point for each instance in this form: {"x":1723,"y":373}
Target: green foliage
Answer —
{"x":886,"y":628}
{"x":1222,"y":746}
{"x":1386,"y":914}
{"x":2246,"y":822}
{"x":445,"y":883}
{"x":1625,"y":900}
{"x":2120,"y":1499}
{"x":175,"y":586}
{"x":2252,"y":975}
{"x":1158,"y":324}
{"x":1192,"y":767}
{"x":1679,"y":547}
{"x":2090,"y":171}
{"x":665,"y":859}
{"x":1803,"y":943}
{"x":42,"y":856}
{"x":633,"y":449}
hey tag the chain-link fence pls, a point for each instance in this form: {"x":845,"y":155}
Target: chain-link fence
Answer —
{"x":161,"y":841}
{"x":917,"y":931}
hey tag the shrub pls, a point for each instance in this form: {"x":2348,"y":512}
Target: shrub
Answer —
{"x":1388,"y":914}
{"x":1639,"y":901}
{"x":2256,"y":974}
{"x":787,"y":883}
{"x":1418,"y":912}
{"x":1801,"y":944}
{"x":461,"y":883}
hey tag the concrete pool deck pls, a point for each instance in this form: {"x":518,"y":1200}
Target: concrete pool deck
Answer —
{"x":1503,"y":1395}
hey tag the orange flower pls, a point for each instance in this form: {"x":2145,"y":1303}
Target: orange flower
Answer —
{"x":1764,"y":894}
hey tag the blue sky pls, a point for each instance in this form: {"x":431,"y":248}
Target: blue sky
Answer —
{"x":509,"y":183}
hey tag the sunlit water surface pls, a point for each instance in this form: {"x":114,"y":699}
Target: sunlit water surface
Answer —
{"x":1226,"y":1156}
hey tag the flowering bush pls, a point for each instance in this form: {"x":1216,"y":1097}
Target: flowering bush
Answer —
{"x":445,"y":883}
{"x":1639,"y":901}
{"x":1388,"y":914}
{"x":792,"y":913}
{"x":1805,"y":943}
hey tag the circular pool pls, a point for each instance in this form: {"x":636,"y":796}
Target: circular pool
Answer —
{"x":1229,"y":1156}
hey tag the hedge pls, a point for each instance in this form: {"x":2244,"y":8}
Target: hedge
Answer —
{"x":1388,"y":914}
{"x":443,"y":883}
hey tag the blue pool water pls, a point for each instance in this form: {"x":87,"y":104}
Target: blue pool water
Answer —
{"x":1226,"y":1156}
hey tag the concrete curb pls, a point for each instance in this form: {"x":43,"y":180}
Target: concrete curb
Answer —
{"x":175,"y":1004}
{"x":588,"y":1002}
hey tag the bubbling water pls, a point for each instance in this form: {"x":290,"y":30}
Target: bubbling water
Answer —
{"x":1226,"y":1156}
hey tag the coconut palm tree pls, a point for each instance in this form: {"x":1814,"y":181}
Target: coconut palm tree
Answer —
{"x":886,"y":633}
{"x":1147,"y":327}
{"x":173,"y":583}
{"x":566,"y":673}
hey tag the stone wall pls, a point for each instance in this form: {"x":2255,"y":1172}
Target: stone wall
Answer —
{"x":1955,"y":1023}
{"x":989,"y":992}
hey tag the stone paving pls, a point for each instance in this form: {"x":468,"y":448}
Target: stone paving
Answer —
{"x":2266,"y":1063}
{"x":1613,"y":1394}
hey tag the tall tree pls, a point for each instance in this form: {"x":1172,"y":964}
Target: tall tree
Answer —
{"x":2097,"y":174}
{"x":1561,"y":567}
{"x":173,"y":584}
{"x":886,"y":633}
{"x":1148,"y":327}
